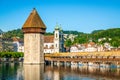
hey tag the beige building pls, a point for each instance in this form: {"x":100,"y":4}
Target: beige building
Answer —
{"x":18,"y":44}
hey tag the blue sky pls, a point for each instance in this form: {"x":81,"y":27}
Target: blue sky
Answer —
{"x":81,"y":15}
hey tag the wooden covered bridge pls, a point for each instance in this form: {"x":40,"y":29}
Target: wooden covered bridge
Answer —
{"x":85,"y":57}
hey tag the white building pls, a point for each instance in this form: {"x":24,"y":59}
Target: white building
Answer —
{"x":90,"y":47}
{"x":18,"y":45}
{"x":55,"y":43}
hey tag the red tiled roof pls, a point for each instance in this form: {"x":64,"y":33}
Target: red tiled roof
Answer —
{"x":15,"y":39}
{"x":48,"y":39}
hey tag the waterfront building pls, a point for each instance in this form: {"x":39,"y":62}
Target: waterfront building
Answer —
{"x":33,"y":30}
{"x":18,"y":45}
{"x":90,"y":47}
{"x":7,"y":44}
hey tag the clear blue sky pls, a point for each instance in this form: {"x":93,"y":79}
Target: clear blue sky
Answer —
{"x":81,"y":15}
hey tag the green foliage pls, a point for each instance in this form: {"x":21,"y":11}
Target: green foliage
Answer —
{"x":109,"y":33}
{"x":68,"y":43}
{"x":115,"y":42}
{"x":114,"y":34}
{"x":11,"y":54}
{"x":18,"y":33}
{"x":72,"y":32}
{"x":96,"y":31}
{"x":13,"y":33}
{"x":49,"y":33}
{"x":80,"y":39}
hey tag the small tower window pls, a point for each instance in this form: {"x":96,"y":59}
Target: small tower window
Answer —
{"x":56,"y":35}
{"x":56,"y":45}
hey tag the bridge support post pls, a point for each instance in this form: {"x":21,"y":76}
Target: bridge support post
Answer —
{"x":65,"y":63}
{"x":52,"y":63}
{"x":58,"y":63}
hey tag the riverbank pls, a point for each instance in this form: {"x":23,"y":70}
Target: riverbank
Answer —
{"x":11,"y":56}
{"x":11,"y":59}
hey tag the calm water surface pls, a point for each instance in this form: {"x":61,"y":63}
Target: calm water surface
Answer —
{"x":18,"y":71}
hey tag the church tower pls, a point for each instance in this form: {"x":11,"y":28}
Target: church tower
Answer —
{"x":33,"y":30}
{"x":58,"y":39}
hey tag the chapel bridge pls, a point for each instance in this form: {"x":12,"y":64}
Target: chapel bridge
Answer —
{"x":85,"y":57}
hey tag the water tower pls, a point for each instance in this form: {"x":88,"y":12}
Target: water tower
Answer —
{"x":33,"y":30}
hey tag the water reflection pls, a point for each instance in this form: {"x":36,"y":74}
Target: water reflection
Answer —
{"x":11,"y":71}
{"x":81,"y":73}
{"x":33,"y":72}
{"x":18,"y":71}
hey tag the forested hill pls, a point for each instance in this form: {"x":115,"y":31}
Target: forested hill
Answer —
{"x":73,"y":32}
{"x":109,"y":33}
{"x":19,"y":33}
{"x":13,"y":33}
{"x":96,"y":34}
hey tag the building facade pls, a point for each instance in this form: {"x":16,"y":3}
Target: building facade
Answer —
{"x":90,"y":47}
{"x":18,"y":45}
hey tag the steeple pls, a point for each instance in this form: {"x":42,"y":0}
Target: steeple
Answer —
{"x":57,"y":26}
{"x":34,"y":22}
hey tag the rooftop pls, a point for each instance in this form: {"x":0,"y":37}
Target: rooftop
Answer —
{"x":34,"y":21}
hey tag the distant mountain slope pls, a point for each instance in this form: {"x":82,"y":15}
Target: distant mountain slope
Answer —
{"x":72,"y":32}
{"x":96,"y":34}
{"x":13,"y":33}
{"x":96,"y":31}
{"x":114,"y":32}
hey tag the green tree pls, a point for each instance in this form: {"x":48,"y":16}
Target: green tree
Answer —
{"x":68,"y":43}
{"x":115,"y":42}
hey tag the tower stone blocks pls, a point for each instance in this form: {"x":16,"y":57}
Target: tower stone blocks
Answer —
{"x":33,"y":30}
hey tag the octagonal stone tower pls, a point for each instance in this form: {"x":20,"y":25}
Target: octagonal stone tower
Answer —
{"x":33,"y":30}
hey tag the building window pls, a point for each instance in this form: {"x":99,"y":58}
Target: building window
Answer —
{"x":56,"y":45}
{"x":52,"y":46}
{"x":46,"y":46}
{"x":56,"y":35}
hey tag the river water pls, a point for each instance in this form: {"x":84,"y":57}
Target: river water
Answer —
{"x":18,"y":71}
